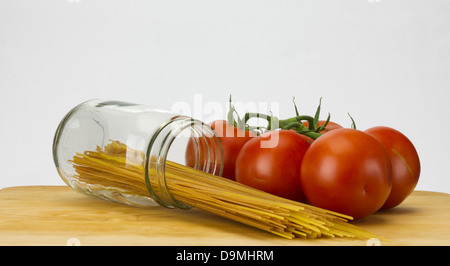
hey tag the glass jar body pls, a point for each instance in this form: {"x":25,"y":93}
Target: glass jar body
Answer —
{"x":118,"y":151}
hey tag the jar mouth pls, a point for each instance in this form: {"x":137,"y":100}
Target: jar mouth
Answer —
{"x":158,"y":150}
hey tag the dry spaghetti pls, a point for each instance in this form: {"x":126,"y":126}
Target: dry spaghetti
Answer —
{"x":121,"y":168}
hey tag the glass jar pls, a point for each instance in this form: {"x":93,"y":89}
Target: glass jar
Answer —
{"x":132,"y":143}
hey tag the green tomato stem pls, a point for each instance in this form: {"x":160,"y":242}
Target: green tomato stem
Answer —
{"x":298,"y":119}
{"x":273,"y":121}
{"x":290,"y":123}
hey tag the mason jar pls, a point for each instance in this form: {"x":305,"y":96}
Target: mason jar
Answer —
{"x":118,"y":151}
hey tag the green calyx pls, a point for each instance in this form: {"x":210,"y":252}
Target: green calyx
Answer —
{"x":273,"y":123}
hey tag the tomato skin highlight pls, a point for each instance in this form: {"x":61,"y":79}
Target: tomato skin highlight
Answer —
{"x":404,"y":160}
{"x":347,"y":171}
{"x":232,"y":140}
{"x":274,"y":170}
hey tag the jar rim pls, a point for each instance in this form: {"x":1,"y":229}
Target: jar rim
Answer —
{"x":157,"y":152}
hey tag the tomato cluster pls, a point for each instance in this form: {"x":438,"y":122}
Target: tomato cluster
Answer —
{"x":304,"y":159}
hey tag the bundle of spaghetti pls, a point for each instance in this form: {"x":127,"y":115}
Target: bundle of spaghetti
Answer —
{"x":117,"y":167}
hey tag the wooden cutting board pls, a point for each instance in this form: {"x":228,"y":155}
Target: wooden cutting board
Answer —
{"x":54,"y":215}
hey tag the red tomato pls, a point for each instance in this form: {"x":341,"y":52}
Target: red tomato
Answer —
{"x":232,"y":140}
{"x":347,"y":171}
{"x":201,"y":153}
{"x":404,"y":160}
{"x":273,"y":170}
{"x":330,"y":126}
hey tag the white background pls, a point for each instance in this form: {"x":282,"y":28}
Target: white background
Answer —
{"x":387,"y":62}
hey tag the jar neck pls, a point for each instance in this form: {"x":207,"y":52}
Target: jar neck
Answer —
{"x":158,"y":149}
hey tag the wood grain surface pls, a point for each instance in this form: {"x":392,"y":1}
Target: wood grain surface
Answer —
{"x":55,"y":215}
